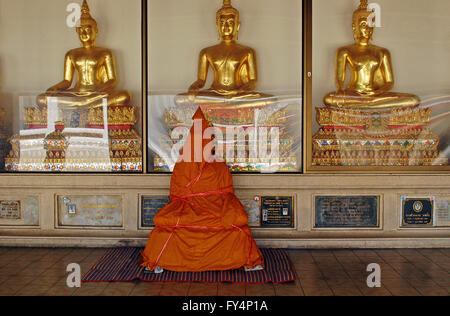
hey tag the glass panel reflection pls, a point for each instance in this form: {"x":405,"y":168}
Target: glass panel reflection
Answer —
{"x":86,"y":122}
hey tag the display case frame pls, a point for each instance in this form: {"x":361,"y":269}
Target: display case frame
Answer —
{"x":309,"y":116}
{"x":140,"y":97}
{"x":299,"y":130}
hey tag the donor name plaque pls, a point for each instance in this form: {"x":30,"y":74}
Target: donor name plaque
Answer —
{"x":418,"y":212}
{"x":150,"y":206}
{"x":10,"y":210}
{"x":90,"y":211}
{"x":347,"y":211}
{"x":277,"y":212}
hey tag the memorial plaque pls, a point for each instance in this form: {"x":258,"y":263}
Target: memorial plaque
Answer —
{"x":90,"y":211}
{"x":347,"y":211}
{"x":277,"y":212}
{"x":418,"y":212}
{"x":150,"y":206}
{"x":19,"y":211}
{"x":443,"y":213}
{"x":10,"y":210}
{"x":253,"y":209}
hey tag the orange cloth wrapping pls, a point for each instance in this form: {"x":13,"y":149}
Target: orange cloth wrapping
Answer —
{"x":205,"y":226}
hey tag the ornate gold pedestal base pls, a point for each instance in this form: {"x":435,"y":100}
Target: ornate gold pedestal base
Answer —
{"x":232,"y":120}
{"x":78,"y":143}
{"x":395,"y":137}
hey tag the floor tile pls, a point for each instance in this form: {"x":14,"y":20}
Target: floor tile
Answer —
{"x":403,"y":291}
{"x":432,"y":291}
{"x":175,"y":289}
{"x":203,"y":289}
{"x":259,"y":290}
{"x":318,"y":291}
{"x":346,"y":291}
{"x":231,"y":289}
{"x":288,"y":289}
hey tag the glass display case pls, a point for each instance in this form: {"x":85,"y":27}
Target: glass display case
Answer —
{"x":71,"y":89}
{"x":333,"y":116}
{"x":241,"y":63}
{"x":386,"y":65}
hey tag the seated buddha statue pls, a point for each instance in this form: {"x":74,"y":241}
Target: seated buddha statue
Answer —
{"x":95,"y":72}
{"x":234,"y":66}
{"x":372,"y":76}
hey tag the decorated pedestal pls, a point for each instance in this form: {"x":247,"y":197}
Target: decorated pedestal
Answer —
{"x":83,"y":140}
{"x":391,"y":137}
{"x":258,"y":121}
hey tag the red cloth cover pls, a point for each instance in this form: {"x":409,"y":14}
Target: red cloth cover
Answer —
{"x":204,"y":227}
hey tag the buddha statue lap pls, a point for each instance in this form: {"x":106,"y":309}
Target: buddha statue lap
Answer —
{"x":364,"y":123}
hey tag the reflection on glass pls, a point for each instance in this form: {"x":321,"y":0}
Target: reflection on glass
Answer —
{"x":3,"y":139}
{"x":364,"y":123}
{"x":89,"y":127}
{"x":254,"y":131}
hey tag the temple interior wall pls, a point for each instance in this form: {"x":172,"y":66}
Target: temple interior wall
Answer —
{"x":48,"y":231}
{"x":32,"y":48}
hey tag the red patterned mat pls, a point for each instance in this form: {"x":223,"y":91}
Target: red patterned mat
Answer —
{"x":121,"y":265}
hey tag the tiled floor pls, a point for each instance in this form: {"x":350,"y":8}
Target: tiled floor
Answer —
{"x":31,"y":272}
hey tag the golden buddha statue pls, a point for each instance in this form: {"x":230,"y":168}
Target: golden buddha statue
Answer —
{"x":81,"y":108}
{"x":234,"y":66}
{"x":95,"y":71}
{"x":372,"y":76}
{"x":364,"y":123}
{"x":231,"y":103}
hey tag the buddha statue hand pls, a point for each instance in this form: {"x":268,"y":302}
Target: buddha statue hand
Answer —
{"x":196,"y":86}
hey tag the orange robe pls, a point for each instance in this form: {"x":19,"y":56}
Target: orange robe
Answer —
{"x":205,"y":226}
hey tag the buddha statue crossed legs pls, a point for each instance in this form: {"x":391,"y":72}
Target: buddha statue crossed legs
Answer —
{"x":95,"y":72}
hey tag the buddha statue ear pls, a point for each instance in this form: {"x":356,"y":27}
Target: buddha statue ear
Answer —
{"x":238,"y":27}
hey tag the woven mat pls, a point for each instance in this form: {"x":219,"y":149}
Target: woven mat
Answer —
{"x":121,"y":265}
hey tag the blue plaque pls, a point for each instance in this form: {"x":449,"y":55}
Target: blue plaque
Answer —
{"x":347,"y":211}
{"x":418,"y":212}
{"x":150,"y":206}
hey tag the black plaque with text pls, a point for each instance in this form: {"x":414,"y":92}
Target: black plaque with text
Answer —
{"x":417,"y":212}
{"x":150,"y":206}
{"x":347,"y":211}
{"x":277,"y":212}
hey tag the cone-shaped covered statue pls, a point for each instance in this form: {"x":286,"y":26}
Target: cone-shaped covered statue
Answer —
{"x":204,"y":227}
{"x":94,"y":69}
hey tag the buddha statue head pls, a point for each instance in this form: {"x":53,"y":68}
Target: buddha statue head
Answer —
{"x":88,"y":29}
{"x":362,"y":26}
{"x":227,"y":20}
